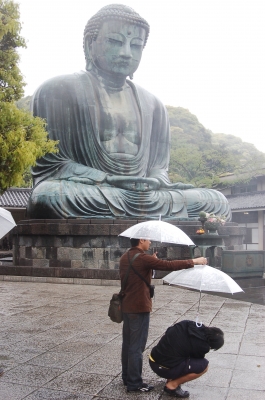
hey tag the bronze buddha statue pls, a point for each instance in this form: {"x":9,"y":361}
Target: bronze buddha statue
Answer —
{"x":114,"y":136}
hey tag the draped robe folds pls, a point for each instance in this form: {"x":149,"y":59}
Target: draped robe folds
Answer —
{"x":72,"y":183}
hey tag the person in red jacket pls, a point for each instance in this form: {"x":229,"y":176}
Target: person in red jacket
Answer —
{"x":137,"y":305}
{"x":179,"y":356}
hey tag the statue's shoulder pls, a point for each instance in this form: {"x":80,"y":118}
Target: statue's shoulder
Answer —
{"x":150,"y":97}
{"x":61,"y":82}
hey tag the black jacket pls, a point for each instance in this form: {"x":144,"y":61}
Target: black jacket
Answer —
{"x":180,"y":342}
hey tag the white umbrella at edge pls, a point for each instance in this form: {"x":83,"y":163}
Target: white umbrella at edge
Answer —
{"x":203,"y":278}
{"x":6,"y":222}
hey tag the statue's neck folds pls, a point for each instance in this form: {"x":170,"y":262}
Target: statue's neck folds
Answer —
{"x":113,"y":81}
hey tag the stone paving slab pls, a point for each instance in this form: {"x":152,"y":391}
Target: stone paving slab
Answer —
{"x":48,"y":394}
{"x":57,"y":343}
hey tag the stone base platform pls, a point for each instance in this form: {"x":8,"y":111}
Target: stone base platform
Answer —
{"x":91,"y":248}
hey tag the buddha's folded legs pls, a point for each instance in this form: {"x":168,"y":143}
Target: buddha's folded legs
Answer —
{"x":208,"y":200}
{"x":64,"y":199}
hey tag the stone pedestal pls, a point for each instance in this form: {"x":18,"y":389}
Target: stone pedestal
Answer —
{"x":244,"y":264}
{"x":210,"y":246}
{"x":90,"y":248}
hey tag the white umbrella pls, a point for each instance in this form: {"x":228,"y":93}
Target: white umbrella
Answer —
{"x":6,"y":222}
{"x":203,"y":277}
{"x":159,"y":231}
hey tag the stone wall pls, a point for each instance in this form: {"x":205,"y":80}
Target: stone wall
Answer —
{"x":89,"y":248}
{"x":246,"y":263}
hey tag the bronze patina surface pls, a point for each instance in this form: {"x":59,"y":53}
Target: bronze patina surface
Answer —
{"x":114,"y":136}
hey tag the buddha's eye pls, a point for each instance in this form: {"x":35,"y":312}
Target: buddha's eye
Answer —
{"x":115,"y":42}
{"x":136,"y":46}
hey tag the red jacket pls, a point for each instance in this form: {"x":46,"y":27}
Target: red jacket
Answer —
{"x":137,"y":298}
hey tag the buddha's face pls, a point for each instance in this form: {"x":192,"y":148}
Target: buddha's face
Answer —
{"x":118,"y":48}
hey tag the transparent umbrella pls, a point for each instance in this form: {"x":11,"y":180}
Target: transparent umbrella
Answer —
{"x":203,"y":278}
{"x":158,"y":231}
{"x":6,"y":222}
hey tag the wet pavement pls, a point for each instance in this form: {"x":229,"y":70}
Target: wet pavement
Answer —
{"x":57,"y":342}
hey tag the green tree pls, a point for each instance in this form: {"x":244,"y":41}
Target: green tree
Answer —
{"x":24,"y":103}
{"x":203,"y":158}
{"x":11,"y":80}
{"x":23,"y":138}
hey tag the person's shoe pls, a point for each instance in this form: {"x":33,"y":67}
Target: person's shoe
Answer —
{"x":1,"y":371}
{"x":143,"y":388}
{"x":178,"y":392}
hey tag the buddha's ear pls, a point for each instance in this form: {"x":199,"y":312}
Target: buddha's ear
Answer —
{"x":87,"y":50}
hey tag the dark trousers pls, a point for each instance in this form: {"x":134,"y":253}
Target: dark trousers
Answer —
{"x":189,"y":366}
{"x":134,"y":338}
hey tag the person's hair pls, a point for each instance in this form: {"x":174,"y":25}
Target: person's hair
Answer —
{"x":134,"y":242}
{"x":215,"y":337}
{"x":118,"y":12}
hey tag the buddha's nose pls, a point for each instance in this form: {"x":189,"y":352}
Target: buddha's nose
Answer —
{"x":126,"y":50}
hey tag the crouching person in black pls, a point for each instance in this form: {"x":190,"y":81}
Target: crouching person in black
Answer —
{"x":179,"y":355}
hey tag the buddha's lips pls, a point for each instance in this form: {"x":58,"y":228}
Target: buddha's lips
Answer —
{"x":122,"y":64}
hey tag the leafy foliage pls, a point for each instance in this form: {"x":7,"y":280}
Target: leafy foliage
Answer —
{"x":11,"y":80}
{"x":24,"y":103}
{"x":23,"y":138}
{"x":202,"y":158}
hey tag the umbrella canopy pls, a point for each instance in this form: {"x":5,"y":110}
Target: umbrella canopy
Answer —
{"x":203,"y":277}
{"x":159,"y":231}
{"x":6,"y":222}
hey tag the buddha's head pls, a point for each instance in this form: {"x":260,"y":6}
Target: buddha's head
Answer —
{"x":114,"y":39}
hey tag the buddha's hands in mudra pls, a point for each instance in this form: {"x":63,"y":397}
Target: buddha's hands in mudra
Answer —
{"x":146,"y":184}
{"x":134,"y":183}
{"x":177,"y":185}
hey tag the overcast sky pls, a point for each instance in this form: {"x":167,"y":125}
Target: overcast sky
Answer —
{"x":204,"y":55}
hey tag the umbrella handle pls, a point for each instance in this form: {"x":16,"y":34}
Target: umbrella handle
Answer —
{"x":198,"y":324}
